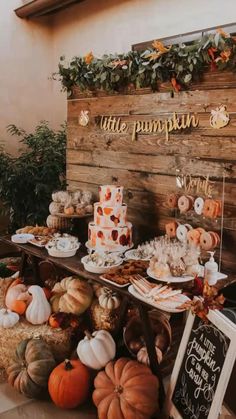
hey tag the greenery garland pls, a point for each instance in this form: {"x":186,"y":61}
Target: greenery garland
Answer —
{"x":178,"y":64}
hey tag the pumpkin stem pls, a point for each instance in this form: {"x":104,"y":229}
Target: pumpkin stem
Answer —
{"x":68,"y":365}
{"x":88,"y":334}
{"x":118,"y":389}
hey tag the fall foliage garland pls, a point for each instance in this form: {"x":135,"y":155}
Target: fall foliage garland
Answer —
{"x":178,"y":64}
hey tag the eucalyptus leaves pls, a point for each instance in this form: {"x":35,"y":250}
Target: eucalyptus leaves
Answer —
{"x":178,"y":65}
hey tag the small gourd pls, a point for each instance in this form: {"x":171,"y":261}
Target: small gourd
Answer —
{"x":39,"y":309}
{"x":142,"y":355}
{"x":108,"y":299}
{"x":8,"y":318}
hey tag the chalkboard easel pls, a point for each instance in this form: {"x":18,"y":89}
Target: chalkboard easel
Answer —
{"x":203,"y":367}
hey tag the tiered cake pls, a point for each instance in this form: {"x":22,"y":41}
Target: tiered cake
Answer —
{"x":110,"y":231}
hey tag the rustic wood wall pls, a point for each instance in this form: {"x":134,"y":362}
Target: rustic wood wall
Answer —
{"x":147,"y":167}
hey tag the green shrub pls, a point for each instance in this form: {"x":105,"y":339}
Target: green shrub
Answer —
{"x":27,"y":181}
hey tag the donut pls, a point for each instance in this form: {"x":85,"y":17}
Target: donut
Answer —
{"x":172,"y":200}
{"x":200,"y":229}
{"x":171,"y":229}
{"x":206,"y":241}
{"x":211,"y":208}
{"x":193,"y":236}
{"x":181,"y":233}
{"x":198,"y":205}
{"x":216,"y":238}
{"x":185,"y":203}
{"x":219,"y":208}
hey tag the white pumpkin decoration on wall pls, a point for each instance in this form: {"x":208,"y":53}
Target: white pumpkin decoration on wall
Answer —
{"x":8,"y":318}
{"x":96,"y":350}
{"x":39,"y":309}
{"x":219,"y":117}
{"x":84,"y":118}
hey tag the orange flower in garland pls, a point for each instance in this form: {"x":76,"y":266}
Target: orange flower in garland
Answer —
{"x":223,"y":33}
{"x":175,"y":84}
{"x":88,"y":58}
{"x":224,"y":56}
{"x":160,"y":50}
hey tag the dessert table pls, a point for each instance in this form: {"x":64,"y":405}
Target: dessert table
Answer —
{"x":74,"y":266}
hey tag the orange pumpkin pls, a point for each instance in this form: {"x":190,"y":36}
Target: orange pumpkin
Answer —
{"x":19,"y":306}
{"x":126,"y":389}
{"x":68,"y":384}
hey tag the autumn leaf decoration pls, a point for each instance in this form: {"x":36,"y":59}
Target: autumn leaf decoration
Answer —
{"x":159,"y":49}
{"x":209,"y":300}
{"x":88,"y":58}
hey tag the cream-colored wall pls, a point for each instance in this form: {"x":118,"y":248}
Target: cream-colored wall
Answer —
{"x":106,"y":26}
{"x":25,"y":65}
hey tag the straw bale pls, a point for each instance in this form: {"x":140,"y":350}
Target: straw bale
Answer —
{"x":59,"y":340}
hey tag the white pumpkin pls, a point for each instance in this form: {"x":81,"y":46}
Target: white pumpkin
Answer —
{"x":8,"y":318}
{"x":39,"y":309}
{"x":96,"y":350}
{"x":13,"y":294}
{"x":142,"y":355}
{"x":55,"y":207}
{"x":108,"y":299}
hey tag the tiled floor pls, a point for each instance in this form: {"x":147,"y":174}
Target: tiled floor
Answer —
{"x":15,"y":406}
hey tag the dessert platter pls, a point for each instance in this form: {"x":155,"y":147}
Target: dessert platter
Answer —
{"x":159,"y":296}
{"x":100,"y":262}
{"x":75,"y":204}
{"x":62,"y":245}
{"x":36,"y":235}
{"x":121,"y":276}
{"x":110,"y":231}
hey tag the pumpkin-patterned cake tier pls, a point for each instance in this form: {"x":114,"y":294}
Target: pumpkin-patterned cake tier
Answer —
{"x":110,"y":216}
{"x":111,"y":195}
{"x":110,"y":239}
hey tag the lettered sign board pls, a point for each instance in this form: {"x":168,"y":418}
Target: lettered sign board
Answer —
{"x":202,"y":369}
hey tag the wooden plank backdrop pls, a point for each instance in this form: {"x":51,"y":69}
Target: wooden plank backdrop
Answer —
{"x":147,"y":167}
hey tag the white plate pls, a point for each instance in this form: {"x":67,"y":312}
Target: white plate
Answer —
{"x":130,"y":255}
{"x":160,"y":306}
{"x":21,"y":238}
{"x":59,"y":254}
{"x":98,"y":269}
{"x":121,"y":251}
{"x":114,"y":283}
{"x":170,"y":279}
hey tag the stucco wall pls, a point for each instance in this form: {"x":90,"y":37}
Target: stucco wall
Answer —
{"x":25,"y":65}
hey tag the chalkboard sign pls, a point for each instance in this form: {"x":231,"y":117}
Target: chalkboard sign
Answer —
{"x":203,"y":367}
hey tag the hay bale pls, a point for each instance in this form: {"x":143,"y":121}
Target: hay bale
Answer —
{"x":59,"y":340}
